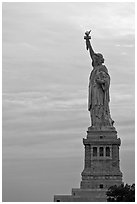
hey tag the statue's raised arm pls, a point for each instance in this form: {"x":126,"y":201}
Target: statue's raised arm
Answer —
{"x":88,"y":44}
{"x":97,"y":58}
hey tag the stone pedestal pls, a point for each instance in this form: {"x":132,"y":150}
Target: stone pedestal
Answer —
{"x":101,"y":167}
{"x":101,"y":159}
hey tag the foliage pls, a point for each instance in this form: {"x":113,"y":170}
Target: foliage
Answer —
{"x":121,"y":193}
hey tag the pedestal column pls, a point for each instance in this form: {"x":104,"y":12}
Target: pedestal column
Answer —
{"x":87,"y":156}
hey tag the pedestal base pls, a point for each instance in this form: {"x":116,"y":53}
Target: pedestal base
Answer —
{"x":101,"y":168}
{"x":83,"y":195}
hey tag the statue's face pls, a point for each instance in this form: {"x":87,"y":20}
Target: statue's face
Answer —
{"x":100,"y":58}
{"x":103,"y":60}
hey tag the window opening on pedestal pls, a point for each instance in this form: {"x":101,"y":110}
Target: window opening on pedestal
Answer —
{"x":58,"y":200}
{"x":107,"y":151}
{"x":101,"y":185}
{"x":101,"y":151}
{"x":101,"y":137}
{"x":94,"y":151}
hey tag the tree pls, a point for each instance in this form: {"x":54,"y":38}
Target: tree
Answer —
{"x":121,"y":193}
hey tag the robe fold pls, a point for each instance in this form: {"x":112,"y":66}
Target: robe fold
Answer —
{"x":98,"y":99}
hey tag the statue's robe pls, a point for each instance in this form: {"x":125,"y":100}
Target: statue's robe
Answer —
{"x":98,"y":100}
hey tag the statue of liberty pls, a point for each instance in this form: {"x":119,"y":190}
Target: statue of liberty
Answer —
{"x":99,"y":82}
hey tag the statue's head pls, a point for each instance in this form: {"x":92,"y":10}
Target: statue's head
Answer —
{"x":98,"y":59}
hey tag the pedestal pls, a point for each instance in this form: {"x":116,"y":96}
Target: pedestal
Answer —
{"x":101,"y":166}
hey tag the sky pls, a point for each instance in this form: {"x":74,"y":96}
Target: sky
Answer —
{"x":45,"y":73}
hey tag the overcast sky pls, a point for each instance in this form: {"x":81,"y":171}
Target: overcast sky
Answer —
{"x":45,"y":85}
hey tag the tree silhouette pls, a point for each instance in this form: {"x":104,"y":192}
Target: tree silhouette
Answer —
{"x":121,"y":193}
